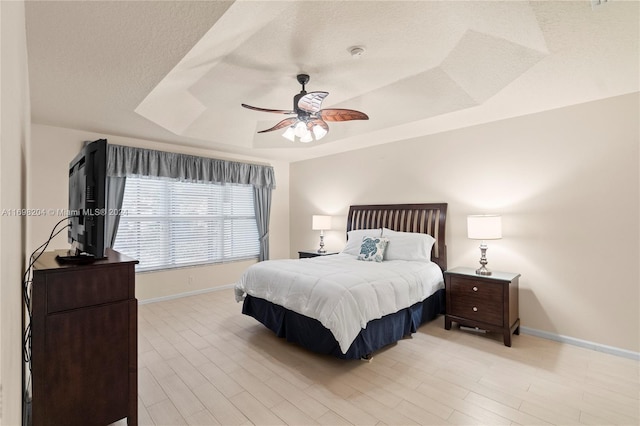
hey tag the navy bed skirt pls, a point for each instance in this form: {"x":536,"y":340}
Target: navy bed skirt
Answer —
{"x":311,"y":334}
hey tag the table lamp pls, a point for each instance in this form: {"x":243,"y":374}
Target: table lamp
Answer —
{"x":484,"y":227}
{"x":321,"y":223}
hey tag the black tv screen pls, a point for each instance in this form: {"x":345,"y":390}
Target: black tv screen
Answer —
{"x":87,"y":200}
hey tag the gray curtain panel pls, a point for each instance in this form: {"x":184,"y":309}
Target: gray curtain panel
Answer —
{"x":115,"y":194}
{"x":123,"y":161}
{"x":262,"y":206}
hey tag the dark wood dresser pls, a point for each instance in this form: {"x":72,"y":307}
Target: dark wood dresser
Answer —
{"x":84,"y":341}
{"x":488,"y":302}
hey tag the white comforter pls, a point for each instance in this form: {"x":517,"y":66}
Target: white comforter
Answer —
{"x":341,"y":292}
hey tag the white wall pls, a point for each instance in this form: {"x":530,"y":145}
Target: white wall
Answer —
{"x":566,"y":182}
{"x":54,"y":147}
{"x":14,"y":137}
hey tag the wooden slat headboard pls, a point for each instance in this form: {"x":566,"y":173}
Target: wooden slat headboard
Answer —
{"x":422,"y":218}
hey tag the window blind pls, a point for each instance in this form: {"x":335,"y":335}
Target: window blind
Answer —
{"x":168,"y":223}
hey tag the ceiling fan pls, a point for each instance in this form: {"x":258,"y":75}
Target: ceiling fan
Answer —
{"x":309,"y":124}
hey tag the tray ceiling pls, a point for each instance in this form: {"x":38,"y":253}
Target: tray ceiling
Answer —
{"x":178,"y":71}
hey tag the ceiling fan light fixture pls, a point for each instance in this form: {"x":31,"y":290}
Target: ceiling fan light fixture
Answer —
{"x":290,"y":134}
{"x":307,"y":137}
{"x":319,"y":132}
{"x":300,"y":129}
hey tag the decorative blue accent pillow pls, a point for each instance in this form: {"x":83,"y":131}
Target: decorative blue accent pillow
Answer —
{"x":372,"y":249}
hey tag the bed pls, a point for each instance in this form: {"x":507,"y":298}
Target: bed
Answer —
{"x":348,"y":308}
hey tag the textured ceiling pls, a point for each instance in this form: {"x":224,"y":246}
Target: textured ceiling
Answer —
{"x":178,"y":71}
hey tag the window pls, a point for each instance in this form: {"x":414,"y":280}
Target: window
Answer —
{"x":169,"y":224}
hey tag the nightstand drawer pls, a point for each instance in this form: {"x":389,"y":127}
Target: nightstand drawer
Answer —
{"x":476,"y":300}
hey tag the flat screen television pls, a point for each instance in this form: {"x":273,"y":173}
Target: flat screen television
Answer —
{"x":88,"y":203}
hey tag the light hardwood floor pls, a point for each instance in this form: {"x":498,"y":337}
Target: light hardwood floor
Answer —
{"x":201,"y":362}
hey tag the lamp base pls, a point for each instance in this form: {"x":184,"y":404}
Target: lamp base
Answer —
{"x":483,"y":271}
{"x":321,"y":250}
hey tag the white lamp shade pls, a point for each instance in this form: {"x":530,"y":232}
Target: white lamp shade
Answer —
{"x":320,"y":223}
{"x":319,"y":132}
{"x":300,"y":129}
{"x":306,"y":138}
{"x":484,"y":227}
{"x":290,"y":134}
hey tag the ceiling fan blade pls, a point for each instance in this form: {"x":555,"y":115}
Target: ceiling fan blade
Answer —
{"x":277,"y":111}
{"x":311,"y":102}
{"x":338,"y":114}
{"x":284,"y":123}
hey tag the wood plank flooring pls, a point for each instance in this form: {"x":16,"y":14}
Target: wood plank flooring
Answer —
{"x":201,"y":362}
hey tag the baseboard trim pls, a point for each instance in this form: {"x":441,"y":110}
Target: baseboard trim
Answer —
{"x":582,"y":343}
{"x":189,"y":293}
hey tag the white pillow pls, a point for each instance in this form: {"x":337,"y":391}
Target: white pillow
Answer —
{"x":354,"y":239}
{"x":372,"y":249}
{"x":408,"y":245}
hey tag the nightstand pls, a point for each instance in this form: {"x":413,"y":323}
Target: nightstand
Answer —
{"x":313,"y":253}
{"x":488,"y":302}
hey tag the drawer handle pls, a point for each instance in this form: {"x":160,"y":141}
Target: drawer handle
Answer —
{"x":475,"y":309}
{"x":475,"y":288}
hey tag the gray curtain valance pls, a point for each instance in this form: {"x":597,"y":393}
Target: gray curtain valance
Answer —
{"x":126,"y":161}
